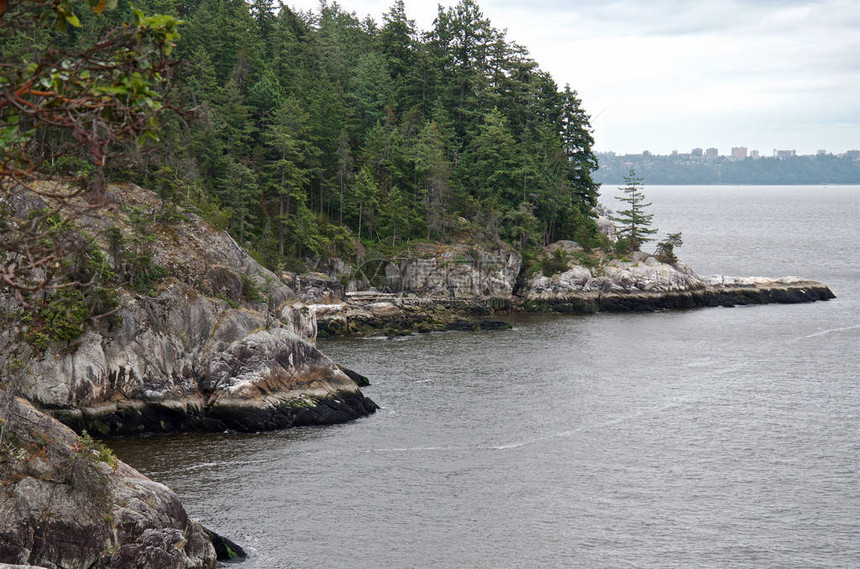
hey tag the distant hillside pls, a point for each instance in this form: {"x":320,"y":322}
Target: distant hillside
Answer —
{"x":688,"y":169}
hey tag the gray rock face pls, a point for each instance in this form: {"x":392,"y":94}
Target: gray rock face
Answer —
{"x":645,"y":284}
{"x":456,"y":270}
{"x":191,"y":358}
{"x":643,"y":273}
{"x":68,"y":503}
{"x":422,"y":284}
{"x":153,"y":372}
{"x":607,"y":227}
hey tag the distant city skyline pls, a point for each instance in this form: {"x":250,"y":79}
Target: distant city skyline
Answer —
{"x":737,"y":152}
{"x":666,"y":75}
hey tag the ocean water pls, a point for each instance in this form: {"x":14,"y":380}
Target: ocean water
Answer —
{"x":722,"y":437}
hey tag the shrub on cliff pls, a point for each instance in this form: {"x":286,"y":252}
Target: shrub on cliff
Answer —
{"x":665,"y":250}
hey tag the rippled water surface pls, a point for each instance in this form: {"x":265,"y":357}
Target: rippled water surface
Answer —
{"x":725,"y":437}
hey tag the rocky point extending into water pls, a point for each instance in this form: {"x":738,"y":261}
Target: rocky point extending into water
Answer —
{"x":444,"y":287}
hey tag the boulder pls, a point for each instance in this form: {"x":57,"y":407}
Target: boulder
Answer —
{"x":68,"y":502}
{"x":644,"y":273}
{"x":272,"y":379}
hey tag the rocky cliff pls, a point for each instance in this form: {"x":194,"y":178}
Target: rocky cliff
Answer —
{"x":219,"y":343}
{"x":455,"y":271}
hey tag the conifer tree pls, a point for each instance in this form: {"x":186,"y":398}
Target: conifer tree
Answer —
{"x":635,"y":223}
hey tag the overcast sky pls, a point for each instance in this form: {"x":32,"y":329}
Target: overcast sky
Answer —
{"x":668,"y":75}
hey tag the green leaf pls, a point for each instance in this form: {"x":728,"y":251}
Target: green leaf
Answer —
{"x":73,"y":19}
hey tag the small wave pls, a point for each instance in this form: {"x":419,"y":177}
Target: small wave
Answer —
{"x":204,"y":465}
{"x":832,"y":330}
{"x":731,"y":368}
{"x":535,"y":440}
{"x":408,"y":449}
{"x":608,"y":422}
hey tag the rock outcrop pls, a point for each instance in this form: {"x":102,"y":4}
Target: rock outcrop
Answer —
{"x":221,"y":343}
{"x":644,"y":284}
{"x":369,"y":313}
{"x":423,"y":298}
{"x":454,"y":271}
{"x":68,"y":503}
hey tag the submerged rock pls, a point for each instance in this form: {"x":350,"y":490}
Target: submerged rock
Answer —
{"x":225,"y":549}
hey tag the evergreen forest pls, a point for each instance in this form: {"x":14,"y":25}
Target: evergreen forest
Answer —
{"x":320,"y":134}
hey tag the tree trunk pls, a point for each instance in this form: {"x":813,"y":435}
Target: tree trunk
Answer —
{"x":281,"y":228}
{"x":359,"y":221}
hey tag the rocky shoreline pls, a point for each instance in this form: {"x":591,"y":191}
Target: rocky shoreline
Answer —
{"x":676,"y":288}
{"x":397,"y":315}
{"x":788,"y":290}
{"x":220,"y":344}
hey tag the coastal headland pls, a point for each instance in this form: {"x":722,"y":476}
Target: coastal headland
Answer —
{"x":217,"y":342}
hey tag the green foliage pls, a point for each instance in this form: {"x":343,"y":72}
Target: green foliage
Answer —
{"x":635,"y":223}
{"x":92,"y":449}
{"x":623,"y":246}
{"x":142,"y":273}
{"x":560,"y":261}
{"x":79,"y":101}
{"x":586,"y":260}
{"x":557,"y":262}
{"x":322,"y":134}
{"x":250,"y":290}
{"x":521,"y":225}
{"x":132,"y":252}
{"x":61,"y":318}
{"x":666,"y":249}
{"x":230,"y":302}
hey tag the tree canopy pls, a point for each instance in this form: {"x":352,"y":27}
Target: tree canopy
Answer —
{"x":319,"y":133}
